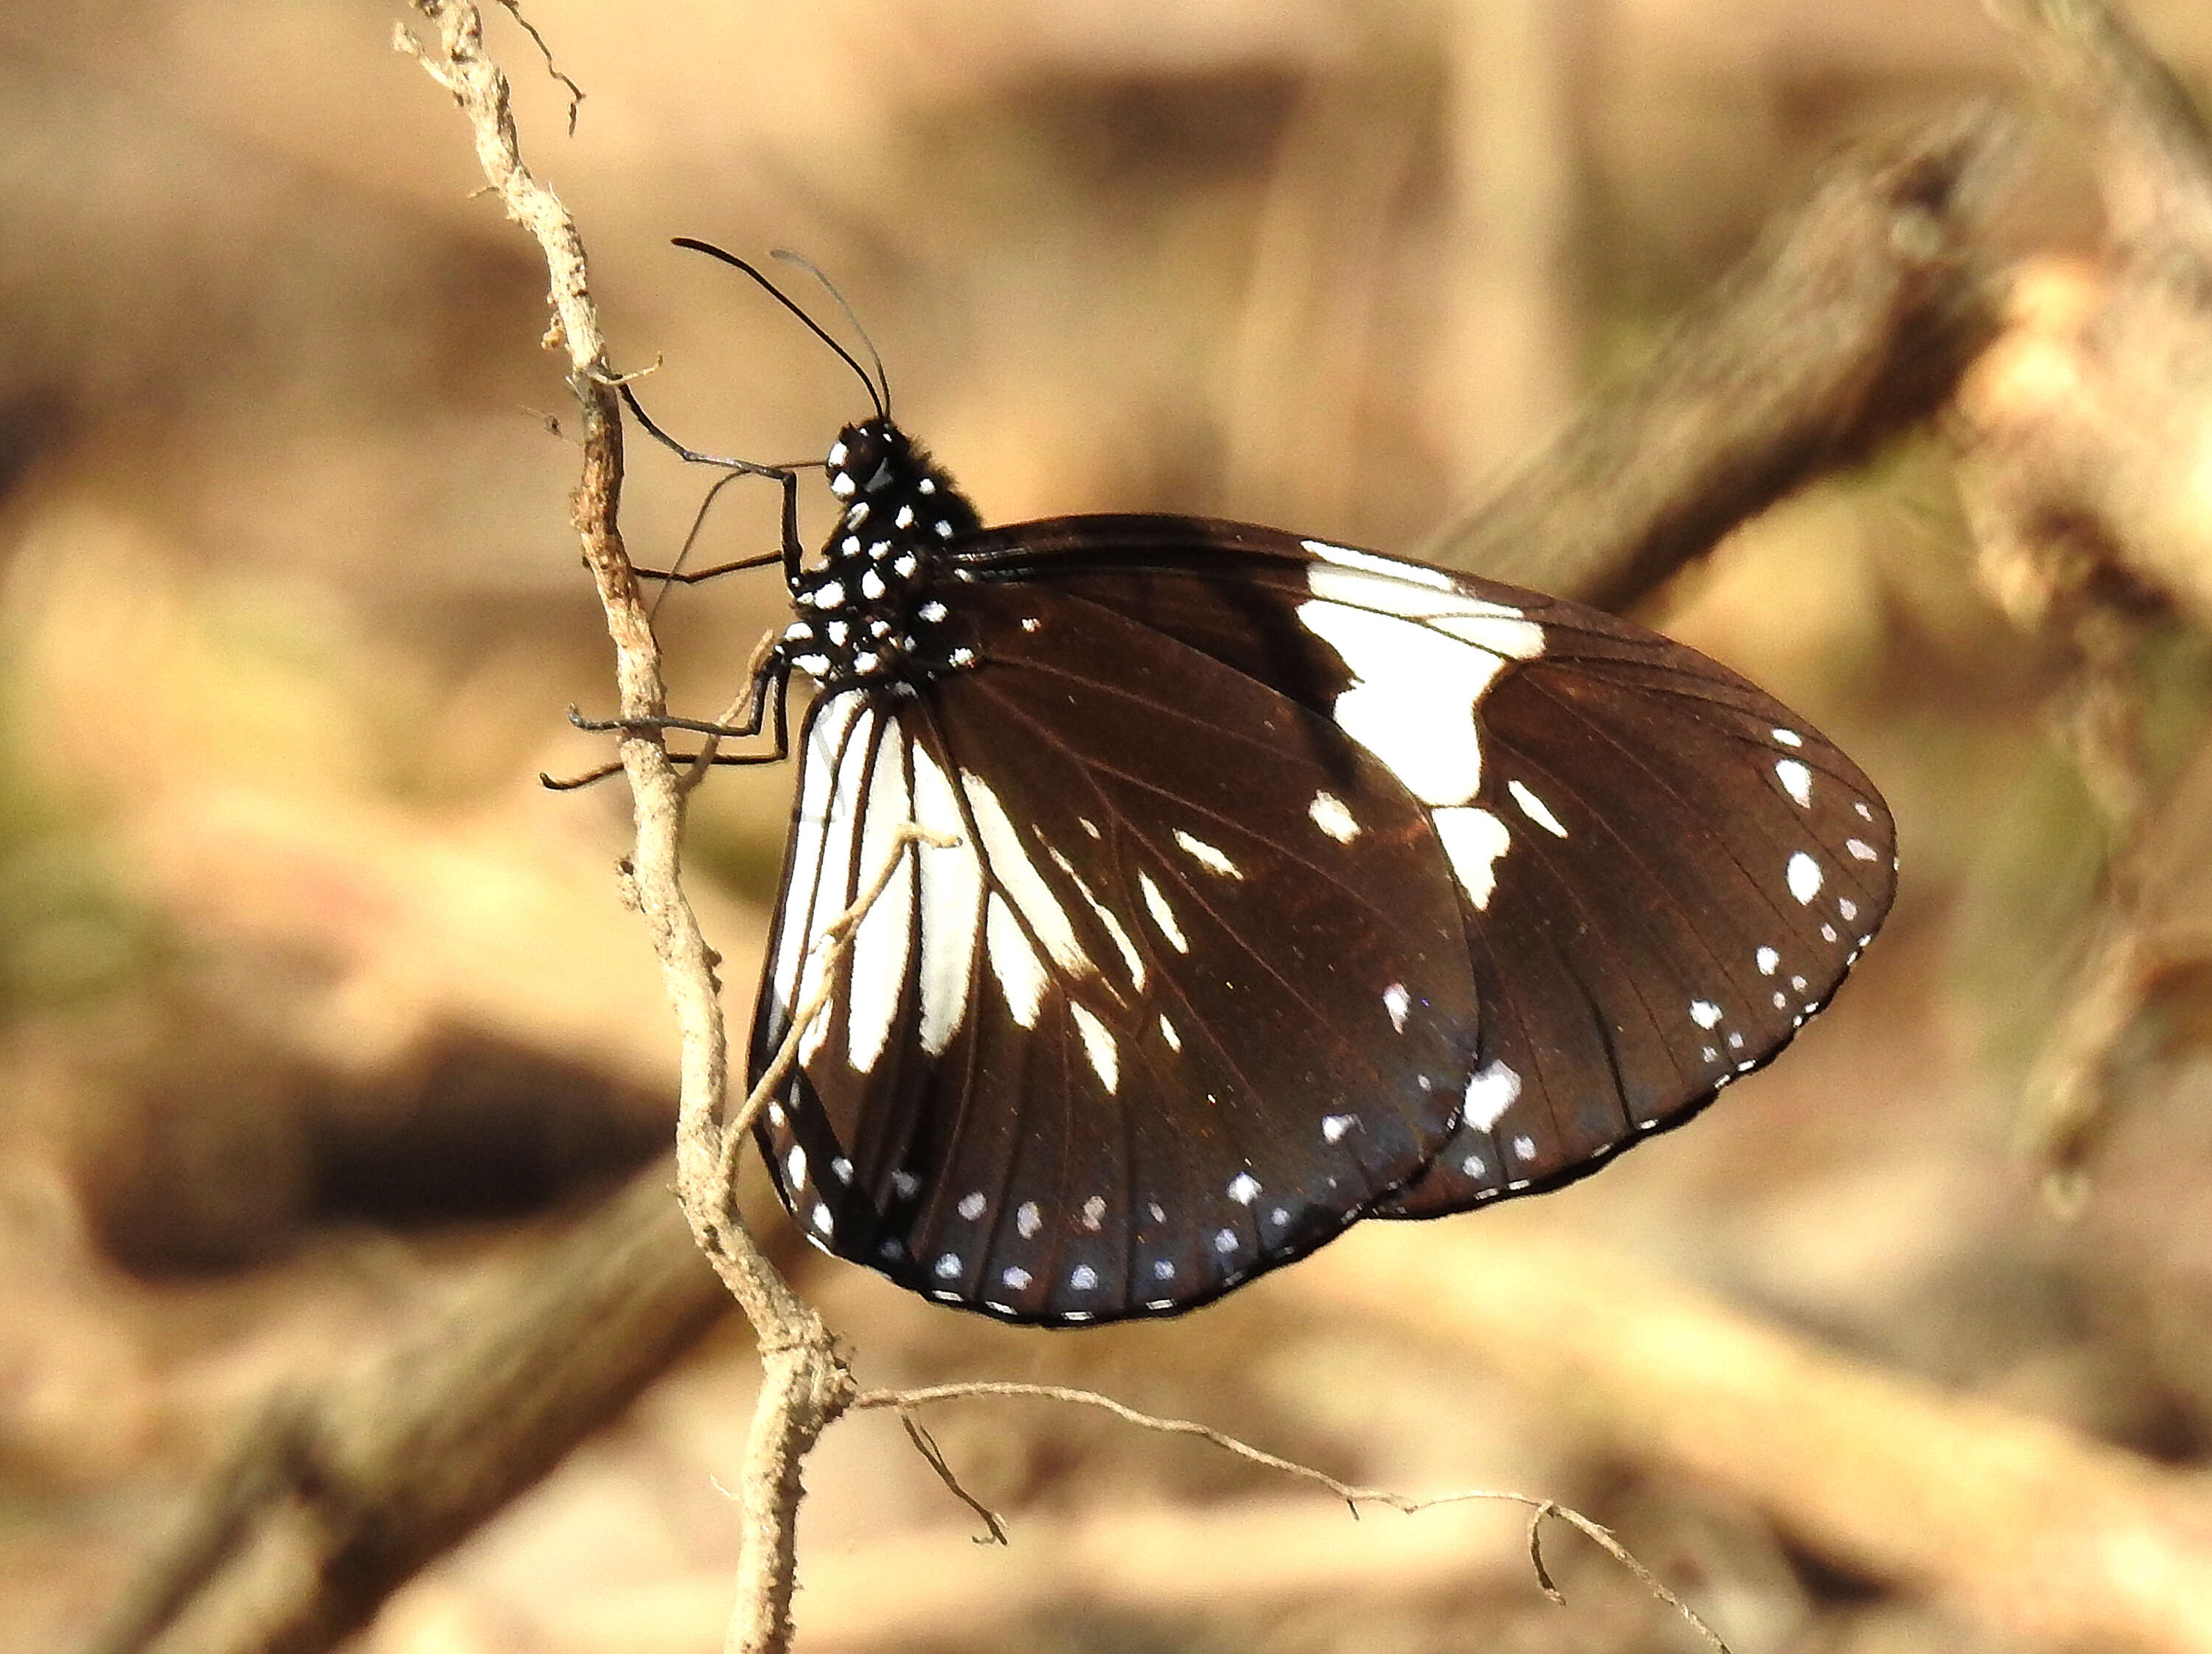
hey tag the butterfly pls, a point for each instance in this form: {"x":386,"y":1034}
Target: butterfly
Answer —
{"x":1273,"y":884}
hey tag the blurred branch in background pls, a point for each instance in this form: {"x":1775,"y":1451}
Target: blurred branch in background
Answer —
{"x":2083,"y":436}
{"x":1853,"y":319}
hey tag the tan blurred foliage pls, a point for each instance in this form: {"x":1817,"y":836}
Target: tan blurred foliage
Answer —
{"x":316,"y":1013}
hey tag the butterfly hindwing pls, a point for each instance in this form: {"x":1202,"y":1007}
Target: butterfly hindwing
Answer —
{"x":1190,"y":994}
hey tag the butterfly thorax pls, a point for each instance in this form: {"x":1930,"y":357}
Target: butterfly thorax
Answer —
{"x":866,"y":612}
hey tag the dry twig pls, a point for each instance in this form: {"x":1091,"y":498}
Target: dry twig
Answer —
{"x":904,"y":1401}
{"x":805,"y":1381}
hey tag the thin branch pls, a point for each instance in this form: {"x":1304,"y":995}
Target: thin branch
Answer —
{"x":805,"y":1382}
{"x":904,"y":1402}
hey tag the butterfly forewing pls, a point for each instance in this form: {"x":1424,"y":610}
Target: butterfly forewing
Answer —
{"x":1662,"y":871}
{"x":1191,"y":993}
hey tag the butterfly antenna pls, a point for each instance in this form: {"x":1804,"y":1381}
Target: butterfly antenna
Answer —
{"x":829,"y":286}
{"x":880,"y":399}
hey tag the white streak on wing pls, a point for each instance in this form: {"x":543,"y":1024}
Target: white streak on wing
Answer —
{"x":1013,"y":961}
{"x":1496,"y":630}
{"x":1413,"y":696}
{"x":810,"y":822}
{"x":951,"y":905}
{"x":1489,"y":1094}
{"x":1098,"y":1046}
{"x":1472,"y":839}
{"x":1156,"y":904}
{"x":1212,"y":859}
{"x":1128,"y":949}
{"x":1017,"y":875}
{"x":1804,"y":876}
{"x":1536,"y":809}
{"x":1167,"y":1033}
{"x":836,"y":877}
{"x":883,"y":945}
{"x":1351,"y":556}
{"x":1796,"y":780}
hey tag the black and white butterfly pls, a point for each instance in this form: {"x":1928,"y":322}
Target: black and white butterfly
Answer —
{"x":1292,"y":884}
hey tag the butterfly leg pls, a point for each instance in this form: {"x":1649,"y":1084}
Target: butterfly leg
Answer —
{"x":766,"y":704}
{"x":787,"y":476}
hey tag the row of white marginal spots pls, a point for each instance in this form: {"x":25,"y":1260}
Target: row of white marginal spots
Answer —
{"x":1805,"y":879}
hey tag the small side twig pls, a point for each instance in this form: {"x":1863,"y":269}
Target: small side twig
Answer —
{"x":904,"y":1401}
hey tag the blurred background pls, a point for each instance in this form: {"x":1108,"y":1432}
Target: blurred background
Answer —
{"x":316,"y":1010}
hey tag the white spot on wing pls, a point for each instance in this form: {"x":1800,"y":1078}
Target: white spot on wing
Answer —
{"x":1329,"y":815}
{"x":1795,"y":779}
{"x":1334,"y":1126}
{"x":1094,"y":1212}
{"x":971,"y":1204}
{"x":1098,"y":1046}
{"x":1861,"y":850}
{"x":1768,"y":960}
{"x":948,"y":1266}
{"x":823,"y":1220}
{"x":1787,"y":737}
{"x":1018,"y":1278}
{"x":1028,"y":1219}
{"x":1489,"y":1094}
{"x":1243,"y":1189}
{"x":1705,"y":1012}
{"x":1536,"y":809}
{"x":794,"y":1169}
{"x":1804,"y":876}
{"x":1083,"y":1278}
{"x":1396,"y":1000}
{"x":1472,"y":839}
{"x":1413,"y":695}
{"x":1208,"y":856}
